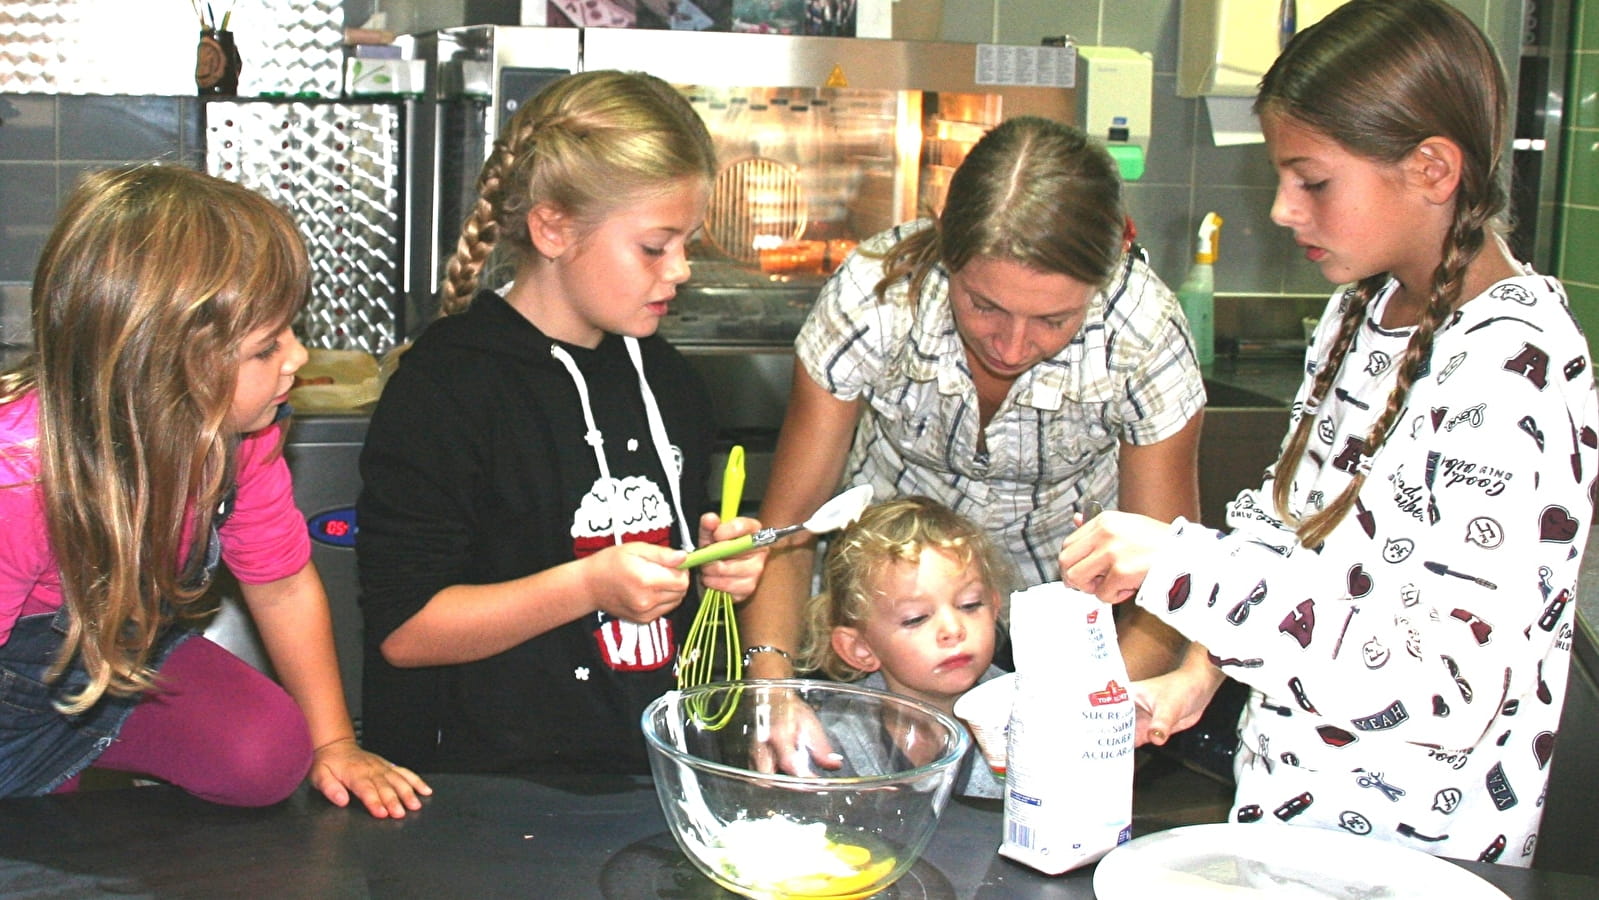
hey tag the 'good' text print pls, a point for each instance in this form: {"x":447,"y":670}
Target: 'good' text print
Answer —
{"x":1454,"y":471}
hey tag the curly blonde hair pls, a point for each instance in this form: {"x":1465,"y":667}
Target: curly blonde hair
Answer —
{"x":587,"y":144}
{"x":888,"y":533}
{"x":147,"y":287}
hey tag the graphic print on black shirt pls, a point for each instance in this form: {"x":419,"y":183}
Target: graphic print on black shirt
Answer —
{"x":637,"y":509}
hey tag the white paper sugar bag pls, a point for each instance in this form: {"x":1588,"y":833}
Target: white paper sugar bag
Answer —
{"x":1069,"y":754}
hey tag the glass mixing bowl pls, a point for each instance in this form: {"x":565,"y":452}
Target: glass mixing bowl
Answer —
{"x":838,"y":833}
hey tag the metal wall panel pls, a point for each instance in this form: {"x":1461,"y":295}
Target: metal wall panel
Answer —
{"x":31,"y":41}
{"x":297,"y":48}
{"x":289,"y":47}
{"x":338,"y":168}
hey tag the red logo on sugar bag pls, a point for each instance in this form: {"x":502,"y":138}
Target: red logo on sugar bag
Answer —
{"x":1113,"y":693}
{"x":1093,"y":615}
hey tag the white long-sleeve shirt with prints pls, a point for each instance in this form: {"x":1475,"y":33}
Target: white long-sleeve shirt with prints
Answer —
{"x":1409,"y":674}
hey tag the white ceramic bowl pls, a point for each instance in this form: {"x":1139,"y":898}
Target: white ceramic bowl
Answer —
{"x":845,"y":833}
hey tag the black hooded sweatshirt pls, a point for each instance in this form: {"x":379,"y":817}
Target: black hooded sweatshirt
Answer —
{"x":476,"y":471}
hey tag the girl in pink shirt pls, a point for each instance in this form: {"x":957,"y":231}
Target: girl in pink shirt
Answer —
{"x":139,"y":448}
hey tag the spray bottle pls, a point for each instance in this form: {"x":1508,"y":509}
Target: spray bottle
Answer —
{"x":1198,"y":292}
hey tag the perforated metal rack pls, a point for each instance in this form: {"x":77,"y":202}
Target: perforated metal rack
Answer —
{"x":338,"y":168}
{"x":289,"y":47}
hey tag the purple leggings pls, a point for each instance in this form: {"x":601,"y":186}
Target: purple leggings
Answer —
{"x":215,"y":727}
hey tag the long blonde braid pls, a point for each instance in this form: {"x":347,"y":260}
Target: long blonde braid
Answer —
{"x":587,"y":144}
{"x":480,"y":232}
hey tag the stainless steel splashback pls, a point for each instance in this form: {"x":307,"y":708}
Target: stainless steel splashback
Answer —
{"x":290,"y":47}
{"x":337,"y":167}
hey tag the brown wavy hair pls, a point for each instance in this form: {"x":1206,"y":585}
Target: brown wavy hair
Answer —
{"x":887,"y":533}
{"x":1032,"y":191}
{"x":587,"y":144}
{"x":1379,"y":77}
{"x":144,"y":293}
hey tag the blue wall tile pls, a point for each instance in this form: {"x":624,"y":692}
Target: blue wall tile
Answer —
{"x":1147,"y":25}
{"x":28,"y":199}
{"x":27,"y":127}
{"x":123,"y":128}
{"x":1161,"y":213}
{"x":1171,"y":138}
{"x":1253,"y":254}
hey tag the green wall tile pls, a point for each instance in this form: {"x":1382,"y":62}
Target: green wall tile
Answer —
{"x":1585,"y":24}
{"x":1585,"y":308}
{"x":1584,"y":99}
{"x":1579,"y":251}
{"x":1581,"y":167}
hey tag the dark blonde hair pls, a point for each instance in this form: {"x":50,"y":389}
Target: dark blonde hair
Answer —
{"x":1379,"y":77}
{"x":1032,"y":191}
{"x":587,"y":145}
{"x":142,"y":299}
{"x":887,"y":533}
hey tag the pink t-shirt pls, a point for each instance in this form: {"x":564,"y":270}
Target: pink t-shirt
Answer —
{"x":265,"y":539}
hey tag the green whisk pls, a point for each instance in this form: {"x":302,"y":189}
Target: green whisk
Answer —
{"x":714,"y":633}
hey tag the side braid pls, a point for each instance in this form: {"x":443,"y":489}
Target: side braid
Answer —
{"x":481,"y":230}
{"x":1465,"y":240}
{"x":1356,"y":302}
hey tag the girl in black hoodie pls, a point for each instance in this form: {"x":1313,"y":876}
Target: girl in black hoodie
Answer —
{"x":530,"y":471}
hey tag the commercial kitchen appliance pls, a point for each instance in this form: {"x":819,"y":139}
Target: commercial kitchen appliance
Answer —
{"x":322,"y":451}
{"x":821,"y":142}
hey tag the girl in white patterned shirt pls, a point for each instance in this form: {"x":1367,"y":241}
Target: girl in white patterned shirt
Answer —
{"x":1399,"y":594}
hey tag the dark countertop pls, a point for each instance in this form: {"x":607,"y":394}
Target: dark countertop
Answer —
{"x":478,"y":836}
{"x":1275,"y":377}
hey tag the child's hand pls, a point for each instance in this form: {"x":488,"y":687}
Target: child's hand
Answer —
{"x":737,"y":575}
{"x":342,"y":768}
{"x":1110,"y":555}
{"x":1173,"y":702}
{"x":636,"y":581}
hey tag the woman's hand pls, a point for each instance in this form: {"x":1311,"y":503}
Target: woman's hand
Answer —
{"x":736,"y":575}
{"x":342,"y":768}
{"x":794,"y":743}
{"x":1110,"y":555}
{"x":1173,"y":702}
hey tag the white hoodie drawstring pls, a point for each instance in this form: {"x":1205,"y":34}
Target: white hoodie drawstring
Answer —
{"x":672,"y":466}
{"x":596,"y":440}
